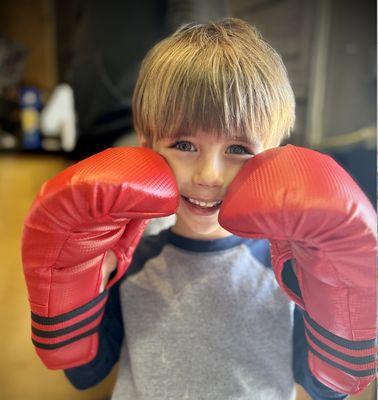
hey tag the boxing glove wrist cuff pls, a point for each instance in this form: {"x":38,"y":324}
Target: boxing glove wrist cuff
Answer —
{"x":355,"y":357}
{"x":53,"y":332}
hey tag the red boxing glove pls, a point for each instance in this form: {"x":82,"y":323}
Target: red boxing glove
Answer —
{"x":98,"y":204}
{"x":313,"y":213}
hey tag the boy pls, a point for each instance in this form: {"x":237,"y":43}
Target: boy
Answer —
{"x":198,"y":314}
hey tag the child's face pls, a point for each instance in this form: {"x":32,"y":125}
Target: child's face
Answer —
{"x":204,"y":166}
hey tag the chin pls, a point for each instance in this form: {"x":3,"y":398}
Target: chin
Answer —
{"x":203,"y":231}
{"x":195,"y":226}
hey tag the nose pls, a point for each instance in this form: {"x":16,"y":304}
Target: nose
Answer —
{"x":209,"y":171}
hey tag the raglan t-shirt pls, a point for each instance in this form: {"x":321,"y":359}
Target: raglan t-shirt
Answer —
{"x":201,"y":319}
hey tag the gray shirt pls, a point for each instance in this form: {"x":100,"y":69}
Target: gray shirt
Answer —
{"x":205,"y":320}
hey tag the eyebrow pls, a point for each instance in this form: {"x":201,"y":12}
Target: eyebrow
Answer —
{"x":237,"y":138}
{"x":241,"y":139}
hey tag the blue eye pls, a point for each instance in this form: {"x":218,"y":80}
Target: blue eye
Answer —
{"x":238,"y":149}
{"x":183,"y":145}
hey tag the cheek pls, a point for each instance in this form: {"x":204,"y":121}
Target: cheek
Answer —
{"x":179,"y":167}
{"x":182,"y":175}
{"x":233,"y":169}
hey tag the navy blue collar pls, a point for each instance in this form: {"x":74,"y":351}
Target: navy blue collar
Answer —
{"x":202,"y":246}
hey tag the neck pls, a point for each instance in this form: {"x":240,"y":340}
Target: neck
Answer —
{"x":181,"y":229}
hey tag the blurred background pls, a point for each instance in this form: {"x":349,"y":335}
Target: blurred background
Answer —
{"x":67,"y":72}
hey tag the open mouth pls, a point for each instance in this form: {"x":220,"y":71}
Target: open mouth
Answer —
{"x":207,"y":207}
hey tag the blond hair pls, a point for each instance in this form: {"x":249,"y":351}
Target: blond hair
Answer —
{"x":221,"y":77}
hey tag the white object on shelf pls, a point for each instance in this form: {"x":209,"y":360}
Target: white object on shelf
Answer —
{"x":58,"y":117}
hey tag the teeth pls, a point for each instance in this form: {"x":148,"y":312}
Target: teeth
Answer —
{"x":206,"y":204}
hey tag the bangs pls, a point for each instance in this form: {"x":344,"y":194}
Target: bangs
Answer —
{"x":215,"y":84}
{"x":202,"y":94}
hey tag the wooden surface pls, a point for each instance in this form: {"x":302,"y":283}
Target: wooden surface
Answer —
{"x":22,"y":374}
